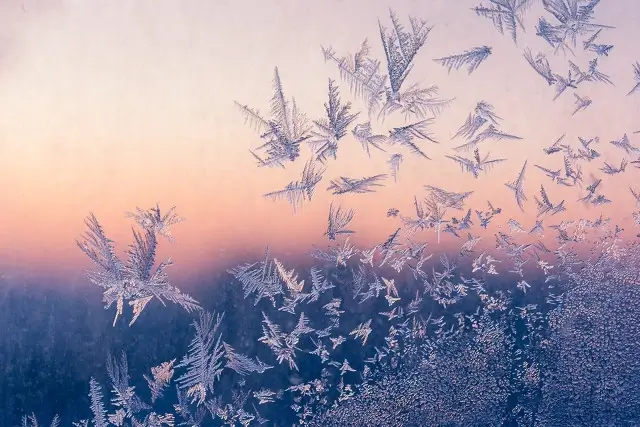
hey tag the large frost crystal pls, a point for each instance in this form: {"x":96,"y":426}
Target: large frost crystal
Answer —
{"x":284,"y":131}
{"x":205,"y":360}
{"x":384,"y":93}
{"x":135,"y":280}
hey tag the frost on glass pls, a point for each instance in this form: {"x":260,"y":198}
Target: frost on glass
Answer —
{"x":462,"y":315}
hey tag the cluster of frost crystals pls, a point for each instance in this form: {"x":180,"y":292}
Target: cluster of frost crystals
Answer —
{"x":459,"y":380}
{"x":594,"y":367}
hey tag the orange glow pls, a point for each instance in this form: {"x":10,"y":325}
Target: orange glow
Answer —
{"x":107,"y":106}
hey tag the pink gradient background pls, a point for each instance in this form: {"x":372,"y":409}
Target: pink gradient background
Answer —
{"x":109,"y":105}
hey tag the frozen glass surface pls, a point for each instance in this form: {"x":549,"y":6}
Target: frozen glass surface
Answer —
{"x":326,"y":213}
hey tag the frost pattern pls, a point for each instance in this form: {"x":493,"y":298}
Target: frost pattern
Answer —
{"x":136,"y":280}
{"x":539,"y":329}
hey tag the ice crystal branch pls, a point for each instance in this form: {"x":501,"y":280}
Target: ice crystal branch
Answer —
{"x":296,"y":192}
{"x":284,"y":130}
{"x":204,"y":362}
{"x":332,"y":128}
{"x":472,"y":58}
